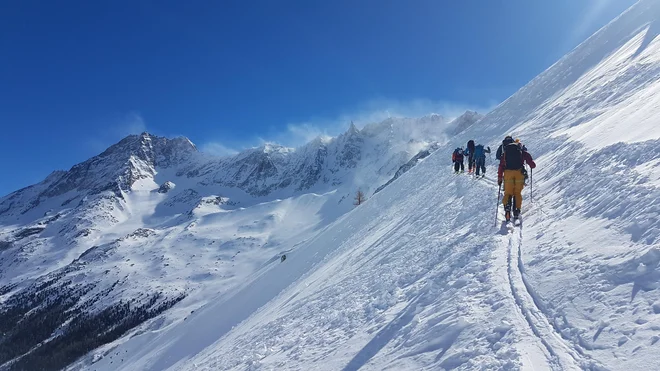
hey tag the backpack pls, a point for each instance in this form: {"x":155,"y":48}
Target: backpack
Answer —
{"x":500,"y":150}
{"x":479,"y":150}
{"x":458,"y":154}
{"x":513,"y":159}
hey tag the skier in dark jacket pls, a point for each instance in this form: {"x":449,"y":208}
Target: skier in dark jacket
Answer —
{"x":507,"y":140}
{"x":480,"y":159}
{"x":511,"y":172}
{"x":469,"y":152}
{"x":457,"y":159}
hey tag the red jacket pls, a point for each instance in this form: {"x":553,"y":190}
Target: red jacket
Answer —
{"x":526,"y":157}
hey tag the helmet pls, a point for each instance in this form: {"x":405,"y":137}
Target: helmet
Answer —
{"x":507,"y":140}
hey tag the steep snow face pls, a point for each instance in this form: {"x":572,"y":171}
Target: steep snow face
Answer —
{"x":613,"y":68}
{"x":418,"y":277}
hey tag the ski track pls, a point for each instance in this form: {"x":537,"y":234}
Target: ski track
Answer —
{"x":561,"y":354}
{"x":558,"y":352}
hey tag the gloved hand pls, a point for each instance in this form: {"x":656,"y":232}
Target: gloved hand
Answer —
{"x":499,"y":182}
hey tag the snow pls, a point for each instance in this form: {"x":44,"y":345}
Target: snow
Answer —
{"x":349,"y":266}
{"x":417,"y":277}
{"x":616,"y":84}
{"x":174,"y":222}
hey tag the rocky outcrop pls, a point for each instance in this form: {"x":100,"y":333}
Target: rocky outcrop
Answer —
{"x":166,"y":187}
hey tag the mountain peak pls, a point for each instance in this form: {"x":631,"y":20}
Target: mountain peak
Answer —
{"x":433,"y":117}
{"x":464,"y":121}
{"x":469,"y":115}
{"x":135,"y":143}
{"x":270,"y":147}
{"x":352,"y":128}
{"x":132,"y":158}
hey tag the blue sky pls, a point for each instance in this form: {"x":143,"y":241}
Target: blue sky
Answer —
{"x":77,"y":76}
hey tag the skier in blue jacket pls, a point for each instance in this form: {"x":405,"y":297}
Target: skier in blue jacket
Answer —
{"x":480,"y":159}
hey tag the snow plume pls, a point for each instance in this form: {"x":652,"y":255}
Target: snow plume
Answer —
{"x":373,"y":111}
{"x":109,"y":130}
{"x":593,"y":13}
{"x":218,"y":149}
{"x":381,"y":109}
{"x":296,"y":134}
{"x":132,"y":123}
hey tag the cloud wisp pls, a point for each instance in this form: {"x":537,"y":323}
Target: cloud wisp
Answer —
{"x":132,"y":123}
{"x":590,"y":17}
{"x":110,"y":130}
{"x":296,"y":134}
{"x":217,"y":149}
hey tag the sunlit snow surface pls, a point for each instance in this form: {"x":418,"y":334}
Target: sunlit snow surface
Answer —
{"x":421,"y":276}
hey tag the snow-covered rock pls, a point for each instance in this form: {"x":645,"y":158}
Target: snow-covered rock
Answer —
{"x":166,"y":187}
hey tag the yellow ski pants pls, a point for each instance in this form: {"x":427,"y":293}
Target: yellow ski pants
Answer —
{"x":514,"y":181}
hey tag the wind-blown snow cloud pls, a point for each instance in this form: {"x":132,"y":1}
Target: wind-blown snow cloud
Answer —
{"x":299,"y":133}
{"x":217,"y":149}
{"x":108,"y":131}
{"x":580,"y":32}
{"x":132,"y":123}
{"x":370,"y":112}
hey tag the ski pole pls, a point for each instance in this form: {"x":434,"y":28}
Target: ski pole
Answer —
{"x":497,"y":207}
{"x":531,"y":185}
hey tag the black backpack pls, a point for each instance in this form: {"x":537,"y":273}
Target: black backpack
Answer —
{"x":513,"y":159}
{"x":500,"y":149}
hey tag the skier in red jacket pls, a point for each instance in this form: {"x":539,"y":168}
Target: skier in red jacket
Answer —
{"x":512,"y":172}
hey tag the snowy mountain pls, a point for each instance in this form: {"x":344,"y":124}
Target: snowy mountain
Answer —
{"x":92,"y":252}
{"x":464,"y":122}
{"x":159,"y":257}
{"x":419,"y":278}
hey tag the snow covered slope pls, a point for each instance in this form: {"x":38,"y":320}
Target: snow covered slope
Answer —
{"x":151,"y":223}
{"x":418,"y":277}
